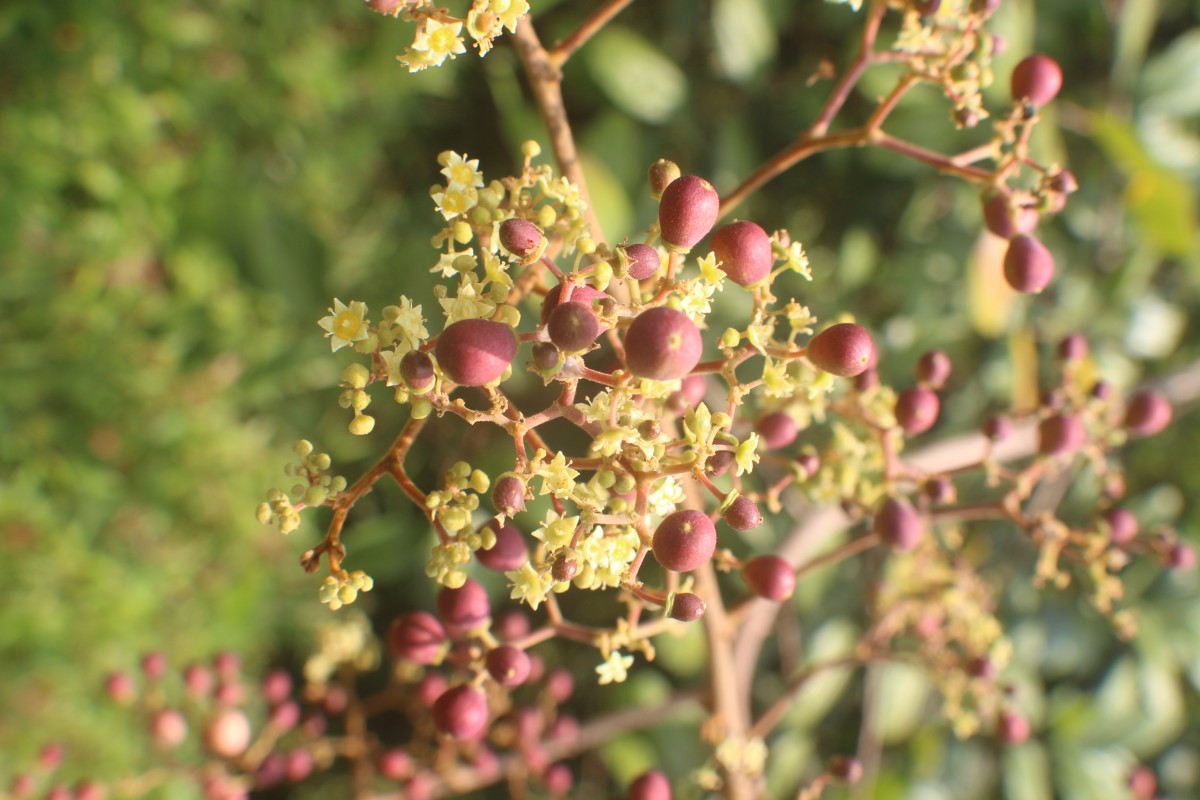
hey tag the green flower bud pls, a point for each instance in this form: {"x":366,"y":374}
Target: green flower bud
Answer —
{"x":421,"y":408}
{"x":362,"y":424}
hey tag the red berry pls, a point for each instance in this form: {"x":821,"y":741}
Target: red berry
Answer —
{"x":844,"y":349}
{"x":687,"y":212}
{"x":461,"y":712}
{"x":508,"y":495}
{"x":770,"y":577}
{"x":558,"y":780}
{"x":997,"y":428}
{"x":560,"y":685}
{"x":508,"y":665}
{"x":1036,"y":79}
{"x":416,"y":370}
{"x":644,"y":260}
{"x":652,"y":785}
{"x":154,"y":665}
{"x":777,"y":429}
{"x":431,"y":686}
{"x":168,"y":728}
{"x":394,"y":764}
{"x":1005,"y":221}
{"x":388,"y":7}
{"x":1028,"y":265}
{"x":277,"y":686}
{"x":198,"y":679}
{"x":1147,"y":413}
{"x":119,"y":687}
{"x":933,"y":369}
{"x":684,"y":540}
{"x":580,"y":294}
{"x":686,"y":607}
{"x":917,"y":410}
{"x":573,"y":327}
{"x":720,"y":462}
{"x":508,"y":553}
{"x":1122,"y":525}
{"x":940,"y":491}
{"x":472,"y":352}
{"x":463,"y":609}
{"x":847,"y":770}
{"x":1012,"y":728}
{"x":520,"y":237}
{"x":898,"y":524}
{"x":510,"y":624}
{"x":545,"y":356}
{"x":416,"y":636}
{"x":744,"y":250}
{"x":1060,"y":434}
{"x":663,"y":344}
{"x":1073,"y":347}
{"x":227,"y":734}
{"x":742,"y":514}
{"x":1180,"y":557}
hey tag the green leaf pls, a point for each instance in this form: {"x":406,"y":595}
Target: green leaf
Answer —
{"x":744,"y":35}
{"x":636,"y":75}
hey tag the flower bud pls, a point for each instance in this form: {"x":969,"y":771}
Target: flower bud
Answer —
{"x":662,"y":174}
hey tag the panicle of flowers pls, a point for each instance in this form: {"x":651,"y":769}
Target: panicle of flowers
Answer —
{"x":315,"y":487}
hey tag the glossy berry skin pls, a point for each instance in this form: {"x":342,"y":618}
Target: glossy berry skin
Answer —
{"x":742,"y":514}
{"x":573,"y":327}
{"x":1028,"y":265}
{"x":461,"y":712}
{"x":1060,"y":434}
{"x":844,"y":349}
{"x":744,"y":252}
{"x":509,"y":552}
{"x":684,"y":540}
{"x":644,"y":260}
{"x":1003,"y":220}
{"x":917,"y":410}
{"x":777,"y":429}
{"x":508,"y":665}
{"x":651,"y":785}
{"x":933,"y":369}
{"x":1147,"y":413}
{"x":898,"y":524}
{"x":472,"y":352}
{"x":686,"y":607}
{"x":687,"y":211}
{"x":1036,"y":80}
{"x":663,"y":344}
{"x":769,"y":576}
{"x":520,"y":237}
{"x":416,"y":636}
{"x":416,"y":370}
{"x":464,"y":609}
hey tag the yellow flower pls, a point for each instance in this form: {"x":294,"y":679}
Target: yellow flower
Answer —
{"x":461,"y":173}
{"x":345,"y":324}
{"x":529,"y":585}
{"x":440,"y":40}
{"x":409,"y":326}
{"x":615,"y":669}
{"x":556,"y":531}
{"x":510,"y":12}
{"x":454,"y":202}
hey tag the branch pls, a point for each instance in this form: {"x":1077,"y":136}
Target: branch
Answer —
{"x":590,"y":27}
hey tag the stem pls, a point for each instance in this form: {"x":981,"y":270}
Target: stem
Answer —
{"x":590,"y":27}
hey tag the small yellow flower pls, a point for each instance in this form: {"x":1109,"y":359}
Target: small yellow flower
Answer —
{"x":461,"y":173}
{"x":345,"y":324}
{"x":529,"y":585}
{"x":409,"y":326}
{"x":455,"y":202}
{"x":441,"y":40}
{"x":615,"y":668}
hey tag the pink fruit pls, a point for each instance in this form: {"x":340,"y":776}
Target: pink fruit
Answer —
{"x":897,"y":524}
{"x":684,"y":540}
{"x":1036,"y":79}
{"x":1147,"y":413}
{"x":1028,"y":265}
{"x":917,"y":410}
{"x":472,"y":352}
{"x":844,"y":349}
{"x":644,"y":260}
{"x":508,"y":553}
{"x":770,"y":577}
{"x":416,"y":636}
{"x":687,"y":212}
{"x":461,"y":712}
{"x":663,"y":344}
{"x":744,"y":252}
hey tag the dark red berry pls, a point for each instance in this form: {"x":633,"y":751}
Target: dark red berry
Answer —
{"x":687,"y":212}
{"x":580,"y":294}
{"x":927,"y":8}
{"x":508,"y":495}
{"x":933,"y":369}
{"x":1147,"y":413}
{"x":520,"y":237}
{"x":997,"y":428}
{"x":663,"y":344}
{"x":844,"y":349}
{"x":1003,"y":219}
{"x":1122,"y":525}
{"x":472,"y":352}
{"x":1028,"y":265}
{"x":1060,"y":434}
{"x":431,"y":686}
{"x":508,"y":665}
{"x":461,"y":712}
{"x":686,"y":607}
{"x":644,"y":260}
{"x":917,"y":410}
{"x":1073,"y":347}
{"x":742,"y":514}
{"x":846,"y":770}
{"x":1180,"y":557}
{"x":898,"y":524}
{"x":940,"y":491}
{"x":684,"y":540}
{"x":545,"y":356}
{"x":720,"y":462}
{"x":416,"y":636}
{"x":573,"y":327}
{"x":508,"y":553}
{"x":1062,"y":182}
{"x":416,"y":370}
{"x":744,"y":252}
{"x":564,"y":568}
{"x":777,"y":429}
{"x":1036,"y":80}
{"x":770,"y":577}
{"x":652,"y":785}
{"x":463,"y":609}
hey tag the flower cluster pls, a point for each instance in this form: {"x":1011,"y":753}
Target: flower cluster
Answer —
{"x":440,"y":34}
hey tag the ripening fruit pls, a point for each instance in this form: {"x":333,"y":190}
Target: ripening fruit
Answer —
{"x":508,"y":495}
{"x":1060,"y":434}
{"x":580,"y":294}
{"x":933,"y":369}
{"x":1036,"y":80}
{"x":844,"y":349}
{"x":644,"y":260}
{"x":687,"y":212}
{"x":461,"y":712}
{"x":227,"y":734}
{"x":770,"y":577}
{"x":1002,"y":219}
{"x":742,"y":514}
{"x":573,"y":326}
{"x":473,"y":352}
{"x":394,"y":764}
{"x":1180,"y":557}
{"x":651,"y":785}
{"x":777,"y":429}
{"x":1012,"y":728}
{"x":464,"y":609}
{"x":691,"y":392}
{"x":545,"y":356}
{"x":684,"y":540}
{"x":168,"y":728}
{"x":846,"y":770}
{"x":898,"y":524}
{"x":388,"y":7}
{"x":663,"y":344}
{"x":1122,"y":525}
{"x":662,"y":173}
{"x":520,"y":237}
{"x":917,"y":409}
{"x":508,"y":665}
{"x":744,"y":250}
{"x":1073,"y":347}
{"x":1147,"y":413}
{"x":997,"y":428}
{"x":686,"y":607}
{"x":416,"y":636}
{"x":416,"y":370}
{"x":1028,"y":265}
{"x":509,"y":552}
{"x":431,"y":686}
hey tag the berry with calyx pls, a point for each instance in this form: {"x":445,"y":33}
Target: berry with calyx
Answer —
{"x":770,"y":576}
{"x":1036,"y":80}
{"x":663,"y":344}
{"x":587,"y":295}
{"x":1147,"y":413}
{"x":744,"y":252}
{"x":687,"y":211}
{"x":686,"y":607}
{"x":742,"y":514}
{"x":416,"y":370}
{"x":508,"y":495}
{"x":844,"y":349}
{"x":898,"y":524}
{"x":644,"y":260}
{"x":662,"y":173}
{"x":461,"y":712}
{"x":777,"y":429}
{"x":720,"y":462}
{"x":1060,"y":434}
{"x":545,"y":357}
{"x":472,"y":352}
{"x":464,"y":609}
{"x":917,"y":410}
{"x":1005,"y":221}
{"x":933,"y":369}
{"x":507,"y":665}
{"x":1122,"y":525}
{"x":416,"y":636}
{"x":520,"y":237}
{"x":651,"y":785}
{"x":508,"y":553}
{"x":565,"y":567}
{"x":684,"y":540}
{"x":1028,"y":265}
{"x":573,"y":327}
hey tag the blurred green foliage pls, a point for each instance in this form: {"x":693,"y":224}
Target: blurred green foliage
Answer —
{"x":188,"y":184}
